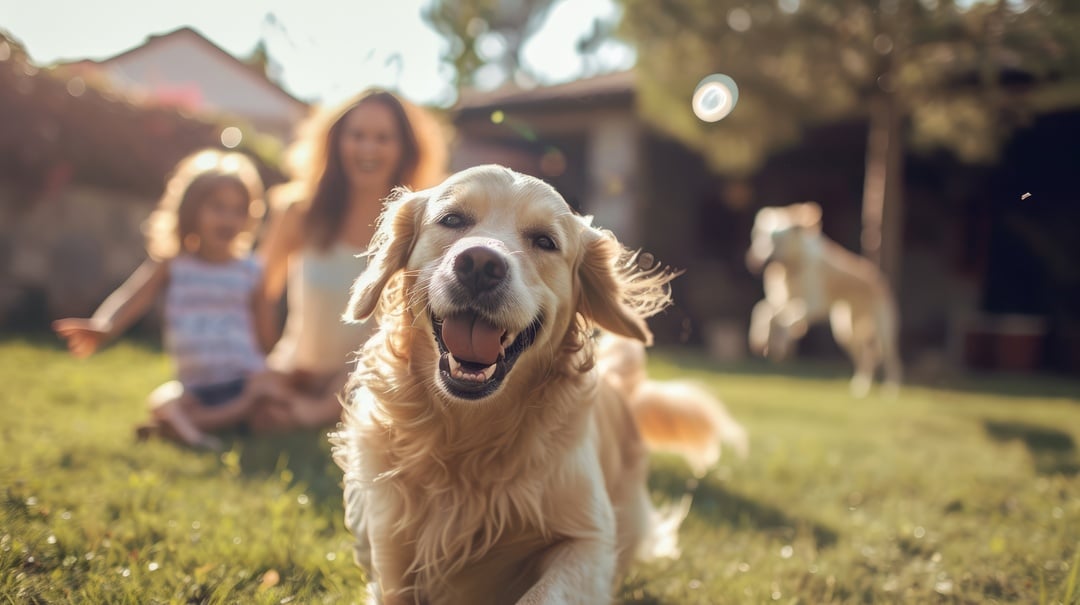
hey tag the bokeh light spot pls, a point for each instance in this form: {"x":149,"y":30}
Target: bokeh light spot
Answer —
{"x":76,"y":87}
{"x":714,"y":98}
{"x":883,"y":44}
{"x":553,"y":162}
{"x":497,"y":116}
{"x":739,"y":19}
{"x":231,"y":137}
{"x":885,"y":83}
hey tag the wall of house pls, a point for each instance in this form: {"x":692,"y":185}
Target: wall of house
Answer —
{"x":612,"y":196}
{"x":1029,"y":206}
{"x":592,"y":157}
{"x":61,"y":255}
{"x":697,"y":222}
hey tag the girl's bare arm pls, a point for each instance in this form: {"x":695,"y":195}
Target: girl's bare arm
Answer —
{"x":119,"y":311}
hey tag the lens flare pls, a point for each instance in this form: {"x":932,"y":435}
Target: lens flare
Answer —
{"x":714,"y":98}
{"x":231,"y":136}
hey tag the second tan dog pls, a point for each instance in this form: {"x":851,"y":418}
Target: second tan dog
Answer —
{"x":809,"y":278}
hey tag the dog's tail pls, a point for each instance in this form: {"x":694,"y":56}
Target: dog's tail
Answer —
{"x":679,"y":417}
{"x":684,"y":418}
{"x":675,"y":416}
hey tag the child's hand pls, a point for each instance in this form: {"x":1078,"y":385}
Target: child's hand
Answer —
{"x":83,"y":336}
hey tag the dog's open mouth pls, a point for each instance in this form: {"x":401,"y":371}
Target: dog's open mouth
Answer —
{"x":476,"y":355}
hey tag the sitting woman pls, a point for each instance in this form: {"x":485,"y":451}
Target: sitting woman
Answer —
{"x":347,"y":161}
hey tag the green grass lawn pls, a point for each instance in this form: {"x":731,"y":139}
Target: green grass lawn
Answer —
{"x":967,"y":494}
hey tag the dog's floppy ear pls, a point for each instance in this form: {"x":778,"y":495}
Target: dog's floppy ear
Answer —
{"x":765,"y":218}
{"x":620,"y":288}
{"x":808,"y":215}
{"x":389,"y":251}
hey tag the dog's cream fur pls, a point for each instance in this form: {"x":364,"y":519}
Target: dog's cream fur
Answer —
{"x":535,"y":492}
{"x":809,"y":278}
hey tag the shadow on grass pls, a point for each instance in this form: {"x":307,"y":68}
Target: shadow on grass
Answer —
{"x":635,"y":591}
{"x":716,"y":504}
{"x":998,"y":384}
{"x":1007,"y":384}
{"x":304,"y":457}
{"x":692,"y":359}
{"x":1052,"y":451}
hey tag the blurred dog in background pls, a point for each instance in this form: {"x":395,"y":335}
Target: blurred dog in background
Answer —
{"x":809,"y":278}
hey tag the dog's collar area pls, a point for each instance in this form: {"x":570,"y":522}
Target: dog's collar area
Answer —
{"x":471,"y":380}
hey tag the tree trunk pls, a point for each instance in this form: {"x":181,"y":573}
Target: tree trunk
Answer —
{"x":883,"y":188}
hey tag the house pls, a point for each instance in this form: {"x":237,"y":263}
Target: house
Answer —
{"x":986,"y":278}
{"x":582,"y":137}
{"x":80,"y":170}
{"x":183,"y":69}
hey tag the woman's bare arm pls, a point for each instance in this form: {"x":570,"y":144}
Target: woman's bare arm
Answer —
{"x":284,"y":236}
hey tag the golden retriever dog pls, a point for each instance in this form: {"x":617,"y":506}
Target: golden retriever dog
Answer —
{"x":489,"y":455}
{"x":809,"y":278}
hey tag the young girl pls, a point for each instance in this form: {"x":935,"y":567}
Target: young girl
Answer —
{"x":216,"y":324}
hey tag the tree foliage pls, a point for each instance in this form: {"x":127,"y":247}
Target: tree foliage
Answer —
{"x":486,"y":35}
{"x":956,"y":69}
{"x":486,"y":40}
{"x":259,"y":61}
{"x":930,"y":72}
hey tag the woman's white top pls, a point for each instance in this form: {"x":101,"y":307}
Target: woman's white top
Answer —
{"x":315,"y":338}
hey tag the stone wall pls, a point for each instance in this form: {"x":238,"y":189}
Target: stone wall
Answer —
{"x":62,"y":254}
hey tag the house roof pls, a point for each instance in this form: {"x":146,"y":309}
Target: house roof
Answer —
{"x":84,"y":65}
{"x":617,"y":86}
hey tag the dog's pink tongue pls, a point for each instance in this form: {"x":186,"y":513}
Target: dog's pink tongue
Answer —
{"x":470,"y":338}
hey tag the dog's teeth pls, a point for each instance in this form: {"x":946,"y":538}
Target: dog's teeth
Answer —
{"x":460,"y":373}
{"x":507,"y":340}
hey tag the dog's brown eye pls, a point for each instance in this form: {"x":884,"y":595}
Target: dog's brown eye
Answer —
{"x":545,"y":243}
{"x":452,"y":220}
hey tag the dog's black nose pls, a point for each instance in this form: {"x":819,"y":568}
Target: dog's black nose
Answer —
{"x":480,"y":268}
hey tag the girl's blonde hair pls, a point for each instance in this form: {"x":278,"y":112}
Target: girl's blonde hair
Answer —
{"x":314,"y":160}
{"x":171,"y":227}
